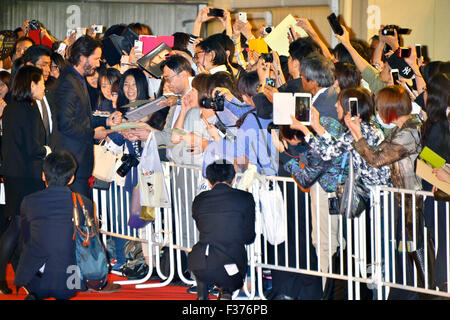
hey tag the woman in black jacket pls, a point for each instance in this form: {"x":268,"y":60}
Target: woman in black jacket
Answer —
{"x":23,"y":149}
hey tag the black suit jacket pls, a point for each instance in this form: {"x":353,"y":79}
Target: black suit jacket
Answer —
{"x":75,"y":123}
{"x":47,"y":237}
{"x":23,"y":140}
{"x":225,"y":218}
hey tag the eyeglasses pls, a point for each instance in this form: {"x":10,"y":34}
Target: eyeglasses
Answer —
{"x":54,"y":67}
{"x":169,"y":78}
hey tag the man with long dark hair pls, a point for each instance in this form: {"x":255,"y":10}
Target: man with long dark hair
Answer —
{"x":77,"y":128}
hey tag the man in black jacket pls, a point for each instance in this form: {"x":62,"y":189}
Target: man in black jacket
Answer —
{"x":77,"y":127}
{"x":225,"y":218}
{"x":47,"y":266}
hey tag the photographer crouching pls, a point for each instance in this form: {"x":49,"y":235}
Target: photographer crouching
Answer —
{"x":225,"y":218}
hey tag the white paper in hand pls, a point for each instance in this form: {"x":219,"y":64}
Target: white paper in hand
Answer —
{"x":283,"y":108}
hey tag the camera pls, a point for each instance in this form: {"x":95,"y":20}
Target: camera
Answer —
{"x":214,"y":12}
{"x":34,"y":25}
{"x":217,"y":103}
{"x":268,"y":57}
{"x":98,"y":28}
{"x":390,"y":30}
{"x":128,"y":161}
{"x":403,"y":52}
{"x":267,"y":30}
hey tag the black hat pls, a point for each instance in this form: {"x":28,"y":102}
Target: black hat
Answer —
{"x":404,"y":69}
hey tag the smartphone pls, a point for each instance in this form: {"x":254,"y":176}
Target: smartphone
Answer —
{"x":62,"y":47}
{"x":395,"y":77}
{"x":242,"y":16}
{"x":353,"y":107}
{"x":418,"y":50}
{"x":404,"y":52}
{"x":303,"y":107}
{"x":69,"y":32}
{"x":270,"y":82}
{"x":214,"y":12}
{"x":335,"y":25}
{"x":97,"y":28}
{"x":291,"y":33}
{"x":139,"y":45}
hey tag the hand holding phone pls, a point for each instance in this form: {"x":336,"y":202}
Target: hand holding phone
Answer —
{"x":395,"y":76}
{"x":418,"y":50}
{"x":214,"y":12}
{"x":404,"y":52}
{"x":353,"y":107}
{"x":303,"y":108}
{"x":242,"y":16}
{"x":335,"y":25}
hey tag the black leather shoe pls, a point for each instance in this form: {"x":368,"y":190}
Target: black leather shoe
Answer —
{"x":192,"y":289}
{"x":224,"y":295}
{"x":4,"y":287}
{"x":31,"y":296}
{"x":282,"y":296}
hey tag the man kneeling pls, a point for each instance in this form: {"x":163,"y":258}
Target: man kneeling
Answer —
{"x":47,"y":266}
{"x":225,"y":218}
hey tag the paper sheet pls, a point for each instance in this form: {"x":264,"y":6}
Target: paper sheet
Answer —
{"x":283,"y":108}
{"x":424,"y":171}
{"x":278,"y":40}
{"x":258,"y":45}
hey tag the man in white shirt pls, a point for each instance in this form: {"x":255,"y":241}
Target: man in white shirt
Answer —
{"x":39,"y":56}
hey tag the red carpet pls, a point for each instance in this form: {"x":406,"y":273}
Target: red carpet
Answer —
{"x":128,"y":292}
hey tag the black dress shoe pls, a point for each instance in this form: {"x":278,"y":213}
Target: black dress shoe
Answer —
{"x":31,"y":296}
{"x":224,"y":295}
{"x":4,"y":287}
{"x":282,"y":296}
{"x":192,"y":289}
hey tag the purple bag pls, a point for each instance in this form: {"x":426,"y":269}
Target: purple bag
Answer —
{"x":134,"y":221}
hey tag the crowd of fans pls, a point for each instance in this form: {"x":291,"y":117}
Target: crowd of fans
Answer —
{"x":220,"y":106}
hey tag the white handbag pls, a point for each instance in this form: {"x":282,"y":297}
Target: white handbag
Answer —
{"x":104,"y":163}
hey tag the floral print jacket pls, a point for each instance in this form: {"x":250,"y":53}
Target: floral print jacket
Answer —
{"x":399,"y":150}
{"x":329,"y":147}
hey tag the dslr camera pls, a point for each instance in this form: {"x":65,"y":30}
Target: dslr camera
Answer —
{"x":34,"y":25}
{"x":389,"y":30}
{"x":217,"y":103}
{"x":128,"y":161}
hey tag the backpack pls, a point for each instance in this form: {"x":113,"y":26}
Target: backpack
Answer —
{"x":135,"y":267}
{"x":89,"y":252}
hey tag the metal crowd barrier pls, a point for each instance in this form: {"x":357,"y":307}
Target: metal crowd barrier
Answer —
{"x":360,"y":251}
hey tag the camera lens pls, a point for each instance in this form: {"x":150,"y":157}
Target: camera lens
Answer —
{"x":268,"y":29}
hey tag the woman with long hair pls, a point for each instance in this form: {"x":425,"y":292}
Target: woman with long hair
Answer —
{"x":23,"y":149}
{"x":436,"y":136}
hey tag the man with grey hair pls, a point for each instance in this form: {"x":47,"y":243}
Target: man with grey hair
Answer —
{"x":317,"y":73}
